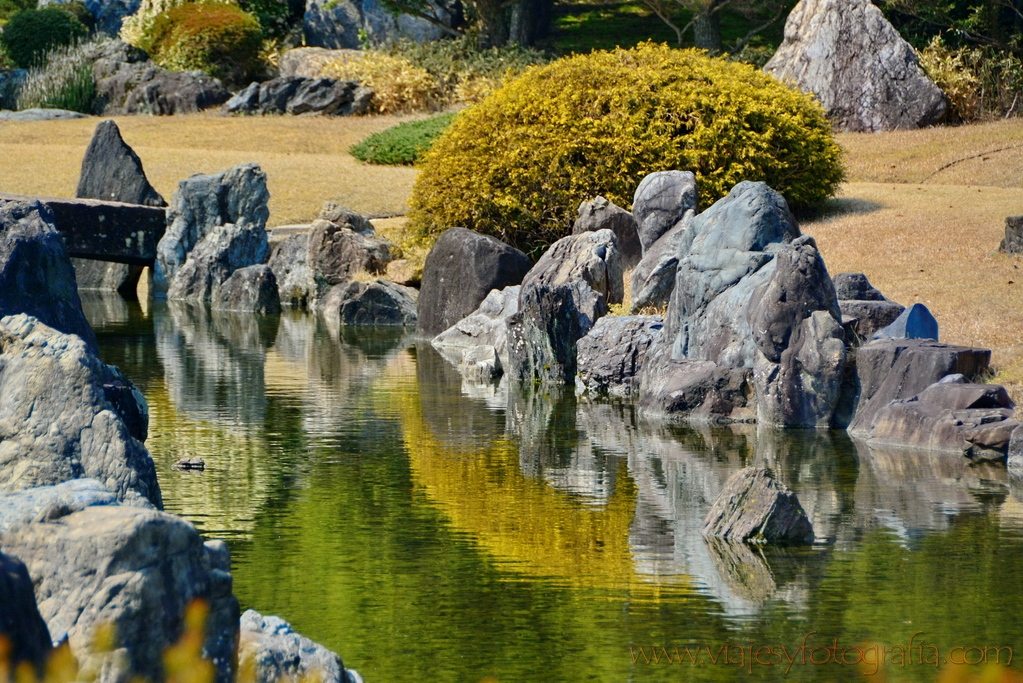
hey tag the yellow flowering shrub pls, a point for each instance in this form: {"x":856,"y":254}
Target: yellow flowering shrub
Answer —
{"x":518,"y":164}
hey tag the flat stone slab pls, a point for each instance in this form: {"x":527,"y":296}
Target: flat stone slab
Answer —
{"x":105,"y":231}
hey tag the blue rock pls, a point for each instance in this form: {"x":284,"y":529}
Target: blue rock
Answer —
{"x":916,"y":322}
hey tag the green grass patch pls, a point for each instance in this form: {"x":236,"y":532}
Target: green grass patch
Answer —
{"x":402,"y":144}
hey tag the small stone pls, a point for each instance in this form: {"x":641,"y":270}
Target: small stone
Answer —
{"x":916,"y":322}
{"x":194,"y":463}
{"x":755,"y":508}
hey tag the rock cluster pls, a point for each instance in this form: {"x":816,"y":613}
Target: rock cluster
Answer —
{"x":296,"y":95}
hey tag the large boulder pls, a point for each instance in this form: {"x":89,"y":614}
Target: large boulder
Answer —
{"x":36,"y":275}
{"x":661,"y":200}
{"x":590,"y":257}
{"x":611,"y":355}
{"x":289,"y":261}
{"x":64,"y":415}
{"x":142,"y":88}
{"x":381,"y":26}
{"x":370,"y":304}
{"x":797,"y":328}
{"x":271,"y":651}
{"x":755,"y":508}
{"x":252,"y":289}
{"x":296,"y":96}
{"x":96,"y":563}
{"x":113,"y":172}
{"x":951,"y":415}
{"x":202,"y":202}
{"x":892,"y":369}
{"x":461,"y":269}
{"x":486,"y":327}
{"x":333,"y":24}
{"x":857,"y":65}
{"x":222,"y":251}
{"x":21,"y":625}
{"x":601,"y":214}
{"x":343,"y":244}
{"x":653,"y":279}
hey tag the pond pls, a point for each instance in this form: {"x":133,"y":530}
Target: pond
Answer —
{"x":429,"y":530}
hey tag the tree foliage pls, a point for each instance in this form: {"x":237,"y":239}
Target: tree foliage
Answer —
{"x":990,"y":23}
{"x":704,"y":18}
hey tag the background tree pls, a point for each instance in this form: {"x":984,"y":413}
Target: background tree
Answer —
{"x":990,"y":23}
{"x":704,"y":17}
{"x":497,"y":22}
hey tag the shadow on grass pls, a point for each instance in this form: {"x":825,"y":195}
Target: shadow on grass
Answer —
{"x":836,"y":207}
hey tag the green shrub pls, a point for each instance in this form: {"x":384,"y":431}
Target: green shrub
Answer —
{"x":218,"y":38}
{"x":274,"y":16}
{"x":29,"y":35}
{"x":65,"y":81}
{"x":518,"y":165}
{"x":8,"y":8}
{"x":403,"y":144}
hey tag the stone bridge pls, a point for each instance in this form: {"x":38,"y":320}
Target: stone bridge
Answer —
{"x":105,"y":231}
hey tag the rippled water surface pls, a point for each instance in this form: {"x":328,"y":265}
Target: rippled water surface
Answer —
{"x":432,"y":531}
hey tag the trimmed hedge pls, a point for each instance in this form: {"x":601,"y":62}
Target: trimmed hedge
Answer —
{"x":403,"y":144}
{"x":518,"y":164}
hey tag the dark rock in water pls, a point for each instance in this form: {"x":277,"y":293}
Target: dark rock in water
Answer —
{"x":1013,"y":241}
{"x":370,"y":304}
{"x":660,"y":201}
{"x":653,"y":279}
{"x":700,"y":390}
{"x":957,"y":417}
{"x":275,"y":652}
{"x":252,"y":289}
{"x":94,"y":562}
{"x":340,"y":249}
{"x":485,"y":327}
{"x":113,"y":172}
{"x":855,"y":287}
{"x":916,"y":322}
{"x":104,"y":276}
{"x":21,"y":626}
{"x":755,"y":508}
{"x":289,"y":260}
{"x":891,"y":369}
{"x":600,"y":214}
{"x":296,"y":96}
{"x":190,"y":464}
{"x":611,"y":355}
{"x":36,"y":275}
{"x":864,"y":74}
{"x":66,"y":415}
{"x":870,"y":316}
{"x":202,"y":202}
{"x":461,"y":269}
{"x":222,"y":251}
{"x":796,"y":325}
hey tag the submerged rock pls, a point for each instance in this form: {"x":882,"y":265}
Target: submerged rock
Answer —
{"x":484,"y":327}
{"x":370,"y":304}
{"x":755,"y":508}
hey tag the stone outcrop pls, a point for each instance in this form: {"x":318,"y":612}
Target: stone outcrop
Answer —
{"x":796,"y":326}
{"x":289,"y":261}
{"x":916,"y":322}
{"x":296,"y":96}
{"x":951,"y":415}
{"x":486,"y":327}
{"x":601,"y":214}
{"x":370,"y":304}
{"x":892,"y":369}
{"x":66,"y":415}
{"x":343,"y":244}
{"x":1012,"y":243}
{"x":864,"y":74}
{"x":143,"y":88}
{"x":653,"y":279}
{"x":333,"y":24}
{"x":21,"y":626}
{"x":36,"y":275}
{"x":660,"y":201}
{"x":215,"y":258}
{"x":252,"y":289}
{"x":94,"y":562}
{"x":589,"y":257}
{"x":611,"y":355}
{"x":460,"y":271}
{"x":203,"y":202}
{"x":864,"y":306}
{"x":273,"y":652}
{"x":112,"y":171}
{"x":755,"y":508}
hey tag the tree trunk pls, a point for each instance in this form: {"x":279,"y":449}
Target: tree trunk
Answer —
{"x":530,"y":21}
{"x":707,"y":30}
{"x":493,"y":20}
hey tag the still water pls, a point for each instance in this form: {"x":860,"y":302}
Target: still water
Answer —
{"x":431,"y":531}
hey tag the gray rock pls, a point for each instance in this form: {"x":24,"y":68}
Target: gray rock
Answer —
{"x":21,"y":626}
{"x":916,"y":322}
{"x":41,"y":115}
{"x":382,"y":26}
{"x":701,"y":391}
{"x":870,"y":316}
{"x":857,"y":65}
{"x":484,"y":327}
{"x":104,"y":276}
{"x":1014,"y":461}
{"x":1013,"y":241}
{"x":590,"y":257}
{"x":661,"y":200}
{"x":460,"y":271}
{"x":341,"y":248}
{"x":796,"y":325}
{"x":370,"y":304}
{"x":600,"y":214}
{"x":202,"y":202}
{"x":252,"y":289}
{"x":611,"y":355}
{"x":36,"y":275}
{"x":274,"y":652}
{"x":332,"y":23}
{"x":66,"y":415}
{"x":94,"y":563}
{"x":653,"y":279}
{"x":10,"y":85}
{"x":224,"y":250}
{"x":113,"y":172}
{"x":296,"y":96}
{"x":970,"y":419}
{"x":892,"y":369}
{"x":142,"y":88}
{"x":289,"y":261}
{"x":755,"y":508}
{"x":855,"y":287}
